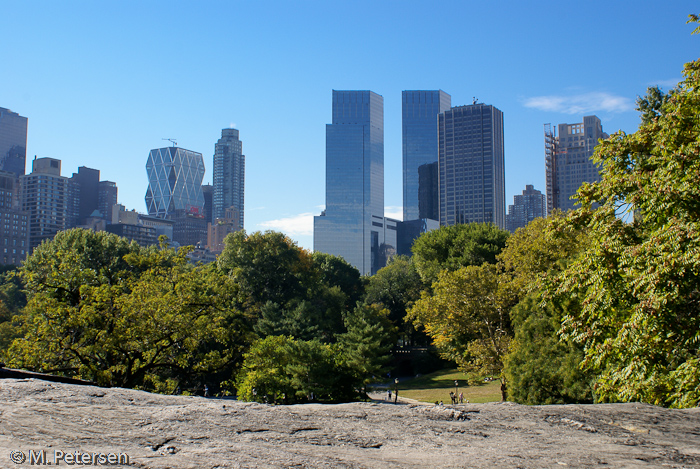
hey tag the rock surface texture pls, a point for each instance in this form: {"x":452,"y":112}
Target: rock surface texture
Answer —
{"x":193,"y":432}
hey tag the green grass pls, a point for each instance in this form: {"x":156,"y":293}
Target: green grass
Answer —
{"x":437,"y":386}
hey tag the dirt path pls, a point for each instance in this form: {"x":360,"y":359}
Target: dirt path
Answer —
{"x":193,"y":432}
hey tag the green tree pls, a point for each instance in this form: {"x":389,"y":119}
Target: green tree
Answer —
{"x":638,"y":282}
{"x":105,"y":310}
{"x":337,"y":272}
{"x":456,"y":246}
{"x":12,"y":300}
{"x":467,"y":316}
{"x":540,"y":367}
{"x":365,"y":347}
{"x":267,"y":267}
{"x":281,"y":369}
{"x":396,"y":287}
{"x":287,"y":290}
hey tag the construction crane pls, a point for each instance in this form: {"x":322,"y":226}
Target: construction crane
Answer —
{"x":171,"y":140}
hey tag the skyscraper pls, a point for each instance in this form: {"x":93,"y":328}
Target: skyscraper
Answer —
{"x":14,"y":222}
{"x":471,"y":165}
{"x":420,"y":110}
{"x":107,"y":199}
{"x":88,"y":180}
{"x":174,"y":181}
{"x":50,"y":200}
{"x":13,"y":142}
{"x":526,"y":207}
{"x":229,"y":175}
{"x":175,"y":192}
{"x":568,"y":160}
{"x":352,"y":225}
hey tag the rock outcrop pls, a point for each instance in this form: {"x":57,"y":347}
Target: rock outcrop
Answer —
{"x":157,"y":431}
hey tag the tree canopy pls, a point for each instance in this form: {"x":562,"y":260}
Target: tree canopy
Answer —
{"x":638,"y":280}
{"x":109,"y":311}
{"x":456,"y":246}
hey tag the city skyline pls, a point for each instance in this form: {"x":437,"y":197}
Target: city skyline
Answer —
{"x":97,"y":98}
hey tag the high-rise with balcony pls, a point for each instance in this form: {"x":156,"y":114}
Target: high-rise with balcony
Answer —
{"x":352,"y":225}
{"x":229,"y":175}
{"x":420,"y":111}
{"x":13,"y":142}
{"x":471,"y":165}
{"x":568,"y":160}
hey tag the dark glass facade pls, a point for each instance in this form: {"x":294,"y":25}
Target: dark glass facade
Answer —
{"x":208,"y":191}
{"x":88,"y":180}
{"x":107,"y":199}
{"x":229,"y":175}
{"x":352,"y":225}
{"x":429,"y":191}
{"x":13,"y":142}
{"x":471,"y":165}
{"x":420,"y":111}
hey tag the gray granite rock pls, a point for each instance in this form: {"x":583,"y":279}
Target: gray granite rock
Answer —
{"x":158,"y":431}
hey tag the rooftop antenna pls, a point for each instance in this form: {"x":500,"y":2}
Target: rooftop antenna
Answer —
{"x":171,"y":140}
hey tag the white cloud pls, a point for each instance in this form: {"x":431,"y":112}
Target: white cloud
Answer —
{"x":668,"y":84}
{"x":394,"y":212}
{"x":581,"y":103}
{"x":296,"y":225}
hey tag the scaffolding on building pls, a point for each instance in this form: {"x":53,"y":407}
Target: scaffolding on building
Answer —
{"x":550,"y":166}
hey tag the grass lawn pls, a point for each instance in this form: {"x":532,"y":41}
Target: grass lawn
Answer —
{"x":437,"y":386}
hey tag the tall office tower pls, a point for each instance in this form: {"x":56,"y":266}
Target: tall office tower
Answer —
{"x":174,"y":181}
{"x":14,"y":223}
{"x":229,"y":175}
{"x":50,"y":200}
{"x":352,"y":225}
{"x":89,"y":181}
{"x":107,"y":199}
{"x":13,"y":142}
{"x":526,"y":207}
{"x":471,"y":165}
{"x":420,"y":110}
{"x":175,"y":192}
{"x":568,"y":160}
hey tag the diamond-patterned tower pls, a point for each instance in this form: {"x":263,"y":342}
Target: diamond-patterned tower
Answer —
{"x":174,"y":182}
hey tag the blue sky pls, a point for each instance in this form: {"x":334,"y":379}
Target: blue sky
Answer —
{"x":102,"y":83}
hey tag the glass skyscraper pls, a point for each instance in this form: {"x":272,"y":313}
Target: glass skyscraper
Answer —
{"x":568,"y":160}
{"x":420,"y":111}
{"x":471,"y":165}
{"x":13,"y":142}
{"x":174,"y":182}
{"x":229,"y":175}
{"x":352,"y":225}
